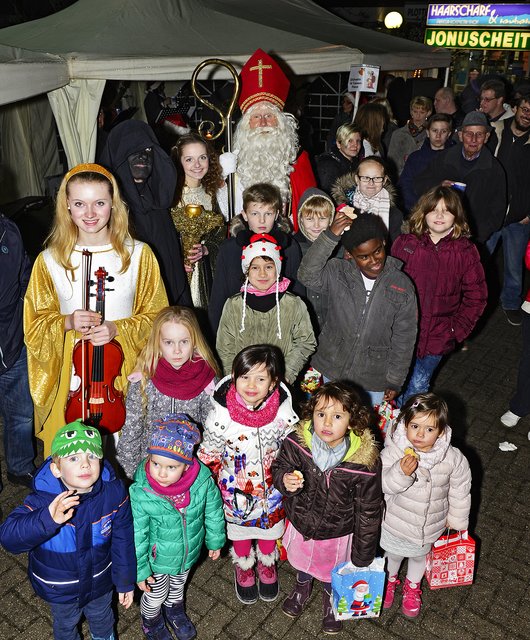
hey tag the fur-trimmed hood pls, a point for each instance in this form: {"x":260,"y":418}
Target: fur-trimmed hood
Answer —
{"x":366,"y":454}
{"x":344,"y":189}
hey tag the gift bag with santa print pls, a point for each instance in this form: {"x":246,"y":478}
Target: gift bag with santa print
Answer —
{"x":451,"y":561}
{"x":357,"y":592}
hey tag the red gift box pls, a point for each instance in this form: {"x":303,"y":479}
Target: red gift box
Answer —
{"x":451,"y":561}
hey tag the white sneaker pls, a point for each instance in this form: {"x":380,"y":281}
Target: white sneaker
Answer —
{"x":509,"y":419}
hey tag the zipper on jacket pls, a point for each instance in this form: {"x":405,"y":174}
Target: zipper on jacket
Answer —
{"x":185,"y":535}
{"x":367,"y":302}
{"x":264,"y":479}
{"x":327,"y":479}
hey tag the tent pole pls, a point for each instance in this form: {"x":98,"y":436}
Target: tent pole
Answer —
{"x":356,"y":104}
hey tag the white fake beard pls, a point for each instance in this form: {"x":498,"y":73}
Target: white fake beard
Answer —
{"x":266,"y":154}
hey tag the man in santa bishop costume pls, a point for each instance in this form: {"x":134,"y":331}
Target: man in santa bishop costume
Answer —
{"x":265,"y":140}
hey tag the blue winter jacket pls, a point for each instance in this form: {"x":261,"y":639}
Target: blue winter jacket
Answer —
{"x":88,"y":555}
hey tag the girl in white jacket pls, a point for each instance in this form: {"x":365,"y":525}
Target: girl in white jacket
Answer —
{"x":426,"y":483}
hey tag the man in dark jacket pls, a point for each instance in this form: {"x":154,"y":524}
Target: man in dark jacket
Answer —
{"x":513,"y":152}
{"x":148,"y":178}
{"x":16,"y":406}
{"x":370,"y":330}
{"x":482,"y":176}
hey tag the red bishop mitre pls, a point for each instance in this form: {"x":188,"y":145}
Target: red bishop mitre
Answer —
{"x":262,"y":79}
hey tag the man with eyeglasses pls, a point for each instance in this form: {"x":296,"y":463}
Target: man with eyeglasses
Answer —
{"x":513,"y":152}
{"x":492,"y":101}
{"x":471,"y":168}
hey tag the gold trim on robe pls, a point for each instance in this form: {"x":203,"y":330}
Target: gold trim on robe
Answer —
{"x":50,"y":348}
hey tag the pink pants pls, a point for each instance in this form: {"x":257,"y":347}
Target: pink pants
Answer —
{"x":242,"y":547}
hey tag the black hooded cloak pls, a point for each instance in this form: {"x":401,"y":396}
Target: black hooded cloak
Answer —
{"x":150,"y":201}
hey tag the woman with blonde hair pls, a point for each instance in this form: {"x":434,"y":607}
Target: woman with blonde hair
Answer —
{"x":342,"y":159}
{"x":90,"y":228}
{"x":409,"y":138}
{"x":175,"y":372}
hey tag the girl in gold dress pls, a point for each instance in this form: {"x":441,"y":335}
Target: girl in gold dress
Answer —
{"x":91,"y":215}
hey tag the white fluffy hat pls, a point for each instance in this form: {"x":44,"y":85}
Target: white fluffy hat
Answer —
{"x":261,"y":245}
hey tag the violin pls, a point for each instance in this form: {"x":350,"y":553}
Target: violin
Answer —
{"x":97,"y":401}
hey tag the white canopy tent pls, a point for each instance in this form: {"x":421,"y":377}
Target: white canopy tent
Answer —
{"x":72,"y":53}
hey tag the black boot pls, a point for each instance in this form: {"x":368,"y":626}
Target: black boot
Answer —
{"x":155,"y":628}
{"x":295,"y":601}
{"x":179,"y":621}
{"x":329,"y":624}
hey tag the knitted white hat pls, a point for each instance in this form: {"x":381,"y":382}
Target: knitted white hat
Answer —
{"x":261,"y":245}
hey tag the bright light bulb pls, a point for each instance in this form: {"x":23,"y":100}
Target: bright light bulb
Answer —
{"x":393,"y":20}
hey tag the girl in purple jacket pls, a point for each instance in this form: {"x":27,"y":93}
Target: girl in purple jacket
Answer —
{"x":445,"y":267}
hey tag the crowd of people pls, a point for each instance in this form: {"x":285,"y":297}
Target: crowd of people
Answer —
{"x":197,"y":376}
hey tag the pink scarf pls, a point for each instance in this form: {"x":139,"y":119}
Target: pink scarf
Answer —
{"x":265,"y":414}
{"x":283,"y":284}
{"x":185,"y":383}
{"x":179,"y":492}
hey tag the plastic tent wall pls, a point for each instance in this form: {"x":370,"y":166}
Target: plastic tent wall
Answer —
{"x":166,"y":39}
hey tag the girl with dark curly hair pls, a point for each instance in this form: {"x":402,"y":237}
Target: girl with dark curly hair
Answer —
{"x":329,"y":473}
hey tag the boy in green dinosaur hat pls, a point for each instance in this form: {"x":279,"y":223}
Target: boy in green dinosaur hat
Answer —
{"x":77,"y":527}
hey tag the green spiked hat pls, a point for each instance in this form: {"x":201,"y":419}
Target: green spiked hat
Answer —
{"x":77,"y":437}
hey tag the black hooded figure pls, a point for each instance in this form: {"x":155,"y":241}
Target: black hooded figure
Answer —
{"x":148,"y":178}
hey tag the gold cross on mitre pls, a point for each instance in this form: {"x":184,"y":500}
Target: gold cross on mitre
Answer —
{"x":259,"y":68}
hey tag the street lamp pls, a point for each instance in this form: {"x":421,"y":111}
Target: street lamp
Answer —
{"x":393,"y":20}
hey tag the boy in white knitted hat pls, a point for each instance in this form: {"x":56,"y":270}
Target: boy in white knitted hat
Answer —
{"x":265,"y":312}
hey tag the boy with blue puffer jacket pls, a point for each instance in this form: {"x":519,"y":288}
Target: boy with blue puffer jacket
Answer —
{"x":77,"y":527}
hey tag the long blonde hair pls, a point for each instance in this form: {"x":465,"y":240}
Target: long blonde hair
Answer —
{"x":149,"y":356}
{"x":64,"y":233}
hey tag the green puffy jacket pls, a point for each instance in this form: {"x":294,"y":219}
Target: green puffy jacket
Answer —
{"x":169,"y":540}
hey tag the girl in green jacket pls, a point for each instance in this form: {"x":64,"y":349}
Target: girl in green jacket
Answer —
{"x":265,"y":312}
{"x":176,"y":508}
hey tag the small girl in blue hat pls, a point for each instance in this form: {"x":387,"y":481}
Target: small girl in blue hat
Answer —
{"x":176,"y":508}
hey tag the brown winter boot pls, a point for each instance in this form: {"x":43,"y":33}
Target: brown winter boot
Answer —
{"x":329,"y":624}
{"x":296,"y":600}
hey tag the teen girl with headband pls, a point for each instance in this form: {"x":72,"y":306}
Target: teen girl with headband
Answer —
{"x":90,"y":214}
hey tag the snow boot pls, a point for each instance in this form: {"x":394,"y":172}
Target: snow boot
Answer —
{"x":245,"y":579}
{"x":179,"y":622}
{"x":268,"y":588}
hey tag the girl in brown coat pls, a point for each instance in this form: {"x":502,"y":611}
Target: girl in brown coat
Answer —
{"x":329,"y":473}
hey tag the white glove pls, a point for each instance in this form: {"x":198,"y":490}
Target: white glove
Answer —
{"x":228,"y":161}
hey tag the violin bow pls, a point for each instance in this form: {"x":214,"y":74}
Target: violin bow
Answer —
{"x":85,"y":284}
